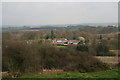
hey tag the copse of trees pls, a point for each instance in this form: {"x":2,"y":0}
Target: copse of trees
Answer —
{"x":13,"y":56}
{"x":102,"y":49}
{"x":95,"y":50}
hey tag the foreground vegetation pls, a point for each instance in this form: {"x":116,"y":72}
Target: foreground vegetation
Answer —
{"x":29,"y":52}
{"x":102,"y":74}
{"x":36,"y":57}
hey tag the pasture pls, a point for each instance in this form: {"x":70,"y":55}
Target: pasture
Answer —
{"x":61,"y":46}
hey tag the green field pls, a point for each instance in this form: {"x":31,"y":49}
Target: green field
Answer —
{"x":102,"y":74}
{"x":61,"y":46}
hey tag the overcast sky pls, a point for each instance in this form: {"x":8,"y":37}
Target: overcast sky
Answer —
{"x":33,"y":13}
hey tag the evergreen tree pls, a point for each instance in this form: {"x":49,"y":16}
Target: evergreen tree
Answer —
{"x":101,"y":36}
{"x":52,"y":34}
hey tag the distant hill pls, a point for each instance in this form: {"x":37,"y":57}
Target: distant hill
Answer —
{"x":99,"y":24}
{"x":58,"y":26}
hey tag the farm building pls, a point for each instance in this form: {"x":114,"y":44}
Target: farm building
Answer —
{"x":82,"y":39}
{"x":64,"y":41}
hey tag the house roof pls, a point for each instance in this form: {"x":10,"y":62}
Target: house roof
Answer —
{"x":81,"y":38}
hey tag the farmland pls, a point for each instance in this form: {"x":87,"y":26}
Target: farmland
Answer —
{"x":88,"y":57}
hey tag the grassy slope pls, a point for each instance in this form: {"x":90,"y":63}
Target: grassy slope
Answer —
{"x":102,"y":74}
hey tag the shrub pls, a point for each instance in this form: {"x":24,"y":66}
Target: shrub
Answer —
{"x":118,"y":65}
{"x":13,"y":56}
{"x":103,"y":50}
{"x":84,"y":63}
{"x":82,"y":48}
